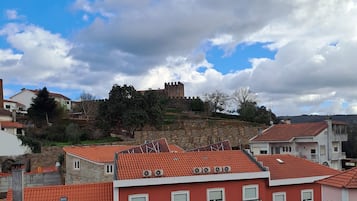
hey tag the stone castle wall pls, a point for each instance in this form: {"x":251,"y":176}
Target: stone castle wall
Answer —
{"x":196,"y":133}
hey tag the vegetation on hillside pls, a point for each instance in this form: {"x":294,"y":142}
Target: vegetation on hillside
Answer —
{"x":126,"y":111}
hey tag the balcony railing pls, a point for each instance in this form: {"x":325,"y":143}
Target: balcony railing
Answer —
{"x":338,"y":156}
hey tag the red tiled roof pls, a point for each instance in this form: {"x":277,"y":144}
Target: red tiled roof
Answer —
{"x":293,"y":167}
{"x":77,"y":192}
{"x":131,"y":166}
{"x":346,"y":179}
{"x":12,"y":101}
{"x":175,"y":148}
{"x":286,"y":132}
{"x":96,"y":153}
{"x":10,"y":124}
{"x":51,"y":94}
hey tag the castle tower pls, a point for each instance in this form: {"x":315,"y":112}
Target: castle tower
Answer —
{"x":175,"y":90}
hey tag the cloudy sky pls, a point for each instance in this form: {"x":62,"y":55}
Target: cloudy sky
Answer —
{"x":299,"y":57}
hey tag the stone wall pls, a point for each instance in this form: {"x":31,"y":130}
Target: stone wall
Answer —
{"x":40,"y":179}
{"x":88,"y":172}
{"x":195,"y":133}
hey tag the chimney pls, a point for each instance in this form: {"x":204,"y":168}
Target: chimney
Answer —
{"x":17,"y":181}
{"x":1,"y":95}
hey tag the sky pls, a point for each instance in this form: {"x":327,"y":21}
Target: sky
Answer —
{"x":297,"y":56}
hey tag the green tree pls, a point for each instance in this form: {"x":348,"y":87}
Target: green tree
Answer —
{"x":43,"y":109}
{"x":128,"y":109}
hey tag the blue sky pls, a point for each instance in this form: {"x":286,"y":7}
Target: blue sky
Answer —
{"x":285,"y":55}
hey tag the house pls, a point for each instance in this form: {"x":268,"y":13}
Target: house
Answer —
{"x":199,"y":176}
{"x":11,"y":127}
{"x":14,"y":106}
{"x":25,"y":97}
{"x":293,"y":178}
{"x":341,"y":186}
{"x":10,"y":145}
{"x":319,"y":142}
{"x":86,"y":164}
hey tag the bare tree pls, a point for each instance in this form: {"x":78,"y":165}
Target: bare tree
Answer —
{"x":217,"y":100}
{"x":88,"y":105}
{"x":242,"y":96}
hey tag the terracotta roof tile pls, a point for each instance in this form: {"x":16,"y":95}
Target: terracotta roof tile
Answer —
{"x":293,"y":167}
{"x":10,"y":124}
{"x":286,"y":132}
{"x":96,"y":153}
{"x":131,"y":166}
{"x":77,"y":192}
{"x":175,"y":148}
{"x":51,"y":94}
{"x":346,"y":179}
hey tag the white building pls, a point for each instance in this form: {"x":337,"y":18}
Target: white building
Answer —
{"x":10,"y":145}
{"x":319,"y":142}
{"x":14,"y":106}
{"x":25,"y":97}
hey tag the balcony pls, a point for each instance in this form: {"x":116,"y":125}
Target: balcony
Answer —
{"x":339,"y":137}
{"x":338,"y":156}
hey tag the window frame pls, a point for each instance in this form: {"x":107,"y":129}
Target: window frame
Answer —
{"x":279,"y":193}
{"x":146,"y":196}
{"x":216,"y":189}
{"x":76,"y":164}
{"x":180,"y":192}
{"x":111,"y":166}
{"x":307,"y":191}
{"x":256,"y":186}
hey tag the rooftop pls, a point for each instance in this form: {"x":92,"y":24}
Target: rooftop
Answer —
{"x":346,"y":179}
{"x":286,"y":132}
{"x":284,"y":166}
{"x":77,"y":192}
{"x":131,"y":166}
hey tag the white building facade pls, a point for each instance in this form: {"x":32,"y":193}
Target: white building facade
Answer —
{"x":320,"y":142}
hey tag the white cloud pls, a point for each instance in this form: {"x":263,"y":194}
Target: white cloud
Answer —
{"x":147,"y":43}
{"x":11,"y":14}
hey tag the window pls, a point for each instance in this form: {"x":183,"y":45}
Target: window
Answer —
{"x":263,"y":152}
{"x":180,"y":196}
{"x":7,"y":106}
{"x":215,"y":194}
{"x":76,"y":164}
{"x":322,"y":150}
{"x":335,"y":146}
{"x":139,"y":197}
{"x":280,"y":196}
{"x":250,"y":192}
{"x":108,"y":169}
{"x":307,"y":195}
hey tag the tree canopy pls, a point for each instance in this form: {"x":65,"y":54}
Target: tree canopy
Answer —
{"x":128,"y":109}
{"x":217,"y":100}
{"x":43,"y":109}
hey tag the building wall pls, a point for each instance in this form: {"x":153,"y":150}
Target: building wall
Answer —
{"x":198,"y":191}
{"x":352,"y":193}
{"x":24,"y":97}
{"x":41,"y":179}
{"x":89,"y":172}
{"x":293,"y":192}
{"x":331,"y":193}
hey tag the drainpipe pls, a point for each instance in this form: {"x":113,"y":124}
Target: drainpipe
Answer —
{"x":17,"y":173}
{"x":329,"y":132}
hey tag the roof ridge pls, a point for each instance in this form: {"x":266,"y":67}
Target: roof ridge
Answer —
{"x":354,"y":170}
